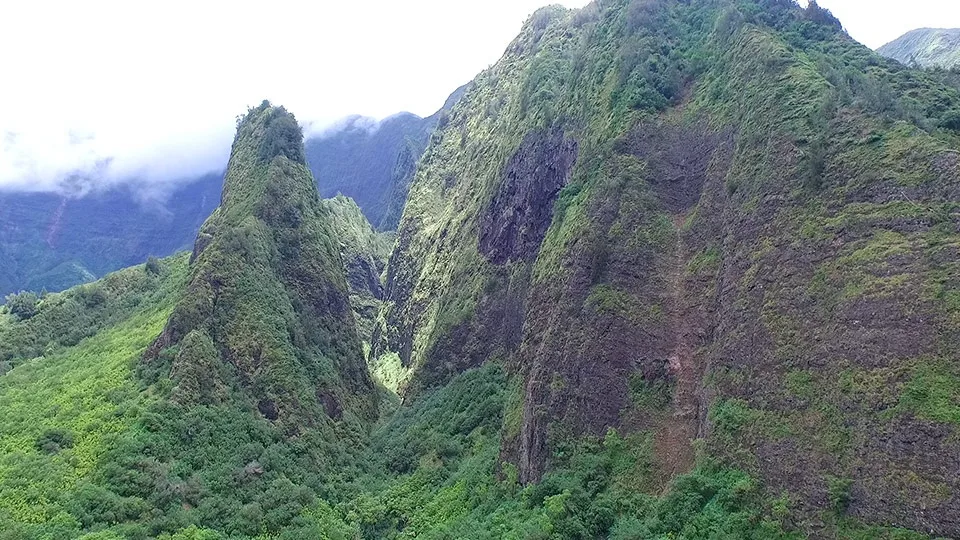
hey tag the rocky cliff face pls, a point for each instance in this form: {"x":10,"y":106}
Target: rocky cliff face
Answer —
{"x":364,"y":252}
{"x":266,"y":318}
{"x":706,"y":221}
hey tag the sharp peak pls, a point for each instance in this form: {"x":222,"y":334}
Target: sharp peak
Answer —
{"x":273,"y":130}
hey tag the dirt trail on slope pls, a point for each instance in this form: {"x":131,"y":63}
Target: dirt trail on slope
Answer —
{"x":673,"y":442}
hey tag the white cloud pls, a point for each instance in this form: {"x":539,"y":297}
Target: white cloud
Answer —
{"x":878,"y":22}
{"x":119,"y":89}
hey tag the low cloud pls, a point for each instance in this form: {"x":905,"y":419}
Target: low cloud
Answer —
{"x":56,"y":159}
{"x":146,"y":95}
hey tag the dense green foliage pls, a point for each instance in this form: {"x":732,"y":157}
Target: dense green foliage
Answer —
{"x":441,"y":459}
{"x":22,"y":305}
{"x":67,"y":403}
{"x":85,"y":449}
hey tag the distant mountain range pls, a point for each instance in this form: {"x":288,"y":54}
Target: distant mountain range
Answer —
{"x":52,"y":241}
{"x":926,"y":47}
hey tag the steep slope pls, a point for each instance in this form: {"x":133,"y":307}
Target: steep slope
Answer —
{"x":373,"y":162}
{"x":267,"y":312}
{"x":53,"y":242}
{"x":925,"y":47}
{"x":708,"y":220}
{"x":364,"y":252}
{"x":253,"y":401}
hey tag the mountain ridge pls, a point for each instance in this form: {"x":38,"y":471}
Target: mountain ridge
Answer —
{"x":926,"y":47}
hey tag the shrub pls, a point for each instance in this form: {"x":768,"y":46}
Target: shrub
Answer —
{"x":23,"y":305}
{"x":54,"y":440}
{"x":283,"y":137}
{"x":838,"y":492}
{"x":951,"y":120}
{"x":821,"y":16}
{"x":153,"y":266}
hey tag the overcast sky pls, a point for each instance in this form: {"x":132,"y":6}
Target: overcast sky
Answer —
{"x":150,"y":90}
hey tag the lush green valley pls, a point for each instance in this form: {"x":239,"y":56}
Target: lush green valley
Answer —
{"x":670,"y":269}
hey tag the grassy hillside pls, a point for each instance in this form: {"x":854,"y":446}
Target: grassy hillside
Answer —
{"x":926,"y":47}
{"x":69,"y":401}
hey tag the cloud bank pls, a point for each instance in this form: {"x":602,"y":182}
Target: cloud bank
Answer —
{"x":98,"y":93}
{"x":105,"y":92}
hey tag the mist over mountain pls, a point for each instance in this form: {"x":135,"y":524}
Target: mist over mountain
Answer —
{"x":54,"y":241}
{"x":373,"y":162}
{"x":78,"y":233}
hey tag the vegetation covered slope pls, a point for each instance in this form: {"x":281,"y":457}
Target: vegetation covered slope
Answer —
{"x":926,"y":47}
{"x":718,"y":220}
{"x":267,"y":313}
{"x":364,"y":252}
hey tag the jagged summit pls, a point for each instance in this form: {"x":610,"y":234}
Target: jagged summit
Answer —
{"x":266,"y":317}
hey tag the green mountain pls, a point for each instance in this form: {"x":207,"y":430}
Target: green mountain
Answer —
{"x":714,"y":226}
{"x":669,"y":269}
{"x":926,"y":47}
{"x":267,"y":294}
{"x":373,"y":162}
